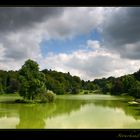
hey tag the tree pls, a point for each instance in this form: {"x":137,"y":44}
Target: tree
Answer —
{"x":135,"y":89}
{"x":137,"y":75}
{"x":1,"y":89}
{"x":107,"y":88}
{"x":13,"y":86}
{"x":128,"y":82}
{"x":117,"y":87}
{"x":3,"y":79}
{"x":75,"y":90}
{"x":31,"y":80}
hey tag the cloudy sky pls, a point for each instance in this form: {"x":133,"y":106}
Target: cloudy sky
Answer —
{"x":90,"y":42}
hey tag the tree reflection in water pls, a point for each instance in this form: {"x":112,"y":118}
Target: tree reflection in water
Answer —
{"x":35,"y":115}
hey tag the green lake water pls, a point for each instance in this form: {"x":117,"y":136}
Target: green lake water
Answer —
{"x":71,"y":111}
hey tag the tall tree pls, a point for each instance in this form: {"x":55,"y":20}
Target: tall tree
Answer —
{"x":135,"y":89}
{"x":31,"y":80}
{"x":117,"y":87}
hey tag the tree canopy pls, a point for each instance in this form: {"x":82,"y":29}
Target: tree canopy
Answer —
{"x":31,"y":80}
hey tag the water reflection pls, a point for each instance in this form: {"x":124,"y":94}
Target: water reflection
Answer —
{"x":91,"y":116}
{"x":70,"y":112}
{"x":8,"y":122}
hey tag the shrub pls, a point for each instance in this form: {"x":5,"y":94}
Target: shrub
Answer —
{"x":90,"y":91}
{"x":75,"y":90}
{"x":48,"y":96}
{"x":86,"y":92}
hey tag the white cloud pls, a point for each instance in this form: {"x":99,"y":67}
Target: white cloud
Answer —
{"x":73,"y":21}
{"x":93,"y":44}
{"x":19,"y":44}
{"x":92,"y":64}
{"x":121,"y":30}
{"x":103,"y":60}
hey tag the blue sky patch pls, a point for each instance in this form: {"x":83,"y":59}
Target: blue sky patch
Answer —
{"x":68,"y":45}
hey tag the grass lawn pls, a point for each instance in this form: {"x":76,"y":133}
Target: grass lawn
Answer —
{"x":9,"y":97}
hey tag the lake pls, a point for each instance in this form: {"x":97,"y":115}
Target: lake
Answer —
{"x":71,"y":111}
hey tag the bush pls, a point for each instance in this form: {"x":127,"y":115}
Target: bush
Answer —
{"x":20,"y":101}
{"x":48,"y":96}
{"x":90,"y":91}
{"x":75,"y":90}
{"x":86,"y":92}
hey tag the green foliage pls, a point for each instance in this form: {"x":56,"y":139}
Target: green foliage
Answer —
{"x":137,"y":75}
{"x":50,"y":96}
{"x":47,"y":96}
{"x":128,"y":82}
{"x":75,"y":90}
{"x":13,"y":86}
{"x":135,"y":89}
{"x":62,"y":83}
{"x":125,"y":84}
{"x":32,"y":83}
{"x":117,"y":87}
{"x":9,"y":81}
{"x":86,"y":92}
{"x":31,"y":80}
{"x":1,"y":89}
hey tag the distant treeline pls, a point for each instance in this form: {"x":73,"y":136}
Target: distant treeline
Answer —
{"x":127,"y":84}
{"x":63,"y":83}
{"x":58,"y":82}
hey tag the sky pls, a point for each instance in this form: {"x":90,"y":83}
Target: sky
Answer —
{"x":90,"y":42}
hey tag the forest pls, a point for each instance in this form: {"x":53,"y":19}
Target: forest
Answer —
{"x":29,"y":79}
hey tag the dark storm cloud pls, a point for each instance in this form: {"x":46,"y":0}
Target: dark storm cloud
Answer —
{"x":15,"y":54}
{"x":121,"y":32}
{"x":14,"y":18}
{"x":15,"y":23}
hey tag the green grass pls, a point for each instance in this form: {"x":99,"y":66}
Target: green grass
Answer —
{"x":14,"y":98}
{"x":9,"y":97}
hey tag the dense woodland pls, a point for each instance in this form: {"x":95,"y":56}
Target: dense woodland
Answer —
{"x":64,"y":83}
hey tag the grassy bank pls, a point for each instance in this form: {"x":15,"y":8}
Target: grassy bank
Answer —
{"x":9,"y":97}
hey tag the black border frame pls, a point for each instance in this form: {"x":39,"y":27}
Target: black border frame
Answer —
{"x":38,"y":3}
{"x":25,"y":134}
